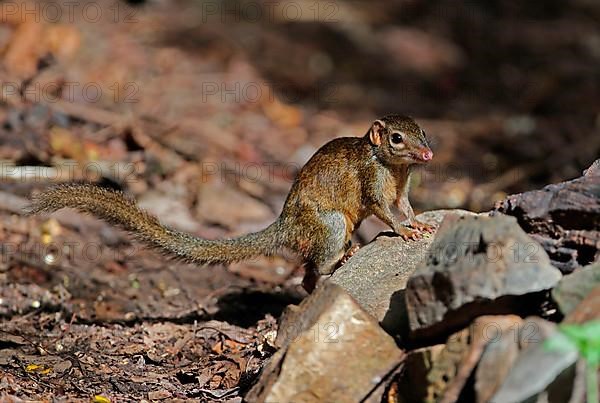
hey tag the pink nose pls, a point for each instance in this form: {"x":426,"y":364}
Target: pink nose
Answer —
{"x":427,"y":155}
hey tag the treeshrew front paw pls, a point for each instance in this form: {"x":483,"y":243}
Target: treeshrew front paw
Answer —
{"x":409,"y":234}
{"x":423,"y":227}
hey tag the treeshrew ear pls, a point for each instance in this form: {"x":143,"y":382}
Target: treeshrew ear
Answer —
{"x":376,"y":132}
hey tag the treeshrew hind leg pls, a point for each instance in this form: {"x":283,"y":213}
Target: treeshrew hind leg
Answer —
{"x":327,"y":250}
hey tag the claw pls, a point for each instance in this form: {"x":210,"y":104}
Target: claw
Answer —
{"x":423,"y":227}
{"x":409,"y":234}
{"x":349,"y":253}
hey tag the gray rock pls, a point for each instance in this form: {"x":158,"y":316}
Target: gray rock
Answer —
{"x":330,"y":350}
{"x":476,"y":266}
{"x":376,"y":275}
{"x":573,"y":288}
{"x":539,"y":374}
{"x":594,"y":169}
{"x":505,"y":342}
{"x":588,"y":309}
{"x":563,"y":217}
{"x":495,"y":362}
{"x":440,"y":373}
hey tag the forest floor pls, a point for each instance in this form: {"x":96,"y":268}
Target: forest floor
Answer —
{"x":204,"y":116}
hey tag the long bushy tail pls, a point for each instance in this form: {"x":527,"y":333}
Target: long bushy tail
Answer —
{"x":114,"y":207}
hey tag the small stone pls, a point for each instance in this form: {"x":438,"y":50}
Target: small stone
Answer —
{"x":159,"y":395}
{"x":62,"y":366}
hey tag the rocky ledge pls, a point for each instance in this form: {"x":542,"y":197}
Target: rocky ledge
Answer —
{"x":469,"y":314}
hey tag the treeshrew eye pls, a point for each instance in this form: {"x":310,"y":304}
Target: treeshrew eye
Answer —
{"x":396,"y":138}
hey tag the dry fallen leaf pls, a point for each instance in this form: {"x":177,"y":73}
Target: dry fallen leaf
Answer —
{"x":62,"y":40}
{"x":25,"y":49}
{"x":283,"y":114}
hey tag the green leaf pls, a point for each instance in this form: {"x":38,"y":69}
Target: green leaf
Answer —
{"x":585,"y":338}
{"x":560,"y":342}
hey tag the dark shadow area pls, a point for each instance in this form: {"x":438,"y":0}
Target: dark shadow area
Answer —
{"x":456,"y":320}
{"x":395,"y":320}
{"x":244,"y":308}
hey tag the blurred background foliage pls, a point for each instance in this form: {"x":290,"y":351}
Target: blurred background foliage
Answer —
{"x":508,"y":92}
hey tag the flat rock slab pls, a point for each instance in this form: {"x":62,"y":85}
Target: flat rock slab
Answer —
{"x":330,"y":350}
{"x":476,"y":266}
{"x":564,"y":218}
{"x":376,"y":275}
